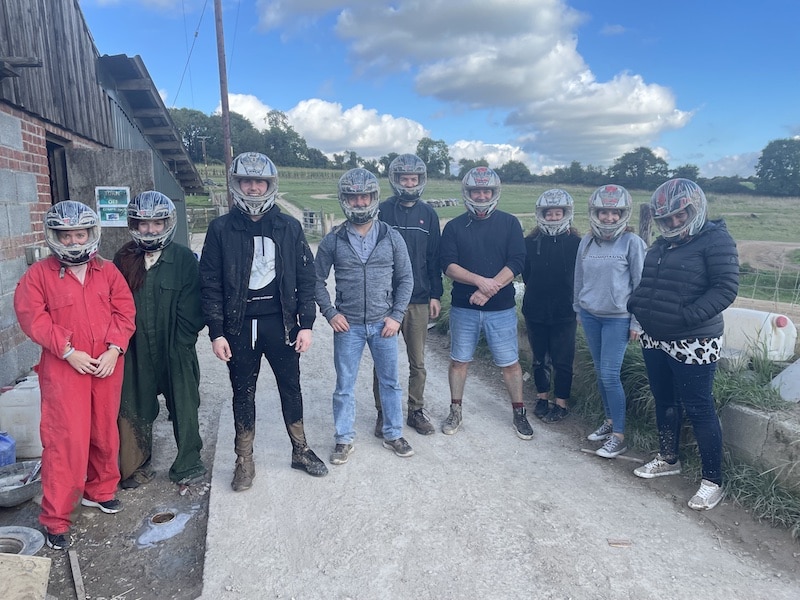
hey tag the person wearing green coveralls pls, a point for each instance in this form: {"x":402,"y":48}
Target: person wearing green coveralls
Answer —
{"x":161,"y":357}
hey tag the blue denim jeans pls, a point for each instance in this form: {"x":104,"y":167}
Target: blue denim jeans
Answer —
{"x":348,"y":348}
{"x":607,"y":339}
{"x":679,"y":388}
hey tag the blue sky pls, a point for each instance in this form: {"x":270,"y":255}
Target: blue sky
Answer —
{"x":545,"y":82}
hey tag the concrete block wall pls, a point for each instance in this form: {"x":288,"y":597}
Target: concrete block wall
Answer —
{"x":24,"y":199}
{"x":769,"y":441}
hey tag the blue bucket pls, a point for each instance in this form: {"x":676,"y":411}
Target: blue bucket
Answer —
{"x":8,"y":449}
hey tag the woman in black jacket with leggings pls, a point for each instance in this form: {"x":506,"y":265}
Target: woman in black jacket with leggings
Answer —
{"x":690,"y":275}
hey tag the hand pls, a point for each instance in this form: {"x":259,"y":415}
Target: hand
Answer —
{"x":106,"y":363}
{"x":221,"y":348}
{"x":434,"y":308}
{"x":478,"y":298}
{"x":488,"y":286}
{"x":303,"y":341}
{"x":339,"y":323}
{"x":633,"y":335}
{"x":82,"y":362}
{"x":390,"y":327}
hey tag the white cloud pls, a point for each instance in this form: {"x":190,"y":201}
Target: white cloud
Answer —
{"x":495,"y":154}
{"x":331,"y":128}
{"x":518,"y":56}
{"x":743,"y":165}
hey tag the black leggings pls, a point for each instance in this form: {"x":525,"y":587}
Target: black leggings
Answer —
{"x":245,"y":365}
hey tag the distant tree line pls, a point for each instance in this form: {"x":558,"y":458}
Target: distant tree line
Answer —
{"x":777,"y":173}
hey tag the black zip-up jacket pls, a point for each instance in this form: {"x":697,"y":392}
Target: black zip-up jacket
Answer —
{"x":685,"y":288}
{"x":419,"y":226}
{"x":549,"y":277}
{"x":225,"y":272}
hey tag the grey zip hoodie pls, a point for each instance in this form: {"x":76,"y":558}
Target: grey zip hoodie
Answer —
{"x":365,"y":292}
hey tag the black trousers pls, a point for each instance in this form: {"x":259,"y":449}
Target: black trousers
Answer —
{"x":245,"y":365}
{"x":552,"y":346}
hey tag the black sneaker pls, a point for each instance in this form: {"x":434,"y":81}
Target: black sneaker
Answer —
{"x":556,"y":414}
{"x":521,"y":426}
{"x":542,"y":408}
{"x":418,"y":421}
{"x":57,"y":541}
{"x":109,"y":507}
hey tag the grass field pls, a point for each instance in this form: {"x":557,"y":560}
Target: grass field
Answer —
{"x":747,"y":217}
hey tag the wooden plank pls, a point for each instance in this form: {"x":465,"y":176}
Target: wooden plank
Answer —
{"x":77,"y":578}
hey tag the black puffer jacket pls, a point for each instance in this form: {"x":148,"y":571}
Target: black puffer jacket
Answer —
{"x":684,"y":289}
{"x":225,"y":272}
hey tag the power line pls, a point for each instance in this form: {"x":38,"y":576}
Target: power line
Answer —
{"x":191,"y":49}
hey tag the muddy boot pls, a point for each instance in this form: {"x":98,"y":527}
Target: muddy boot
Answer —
{"x":245,"y":469}
{"x":303,"y":457}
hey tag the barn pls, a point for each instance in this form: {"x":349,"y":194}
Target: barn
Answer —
{"x":74,"y":125}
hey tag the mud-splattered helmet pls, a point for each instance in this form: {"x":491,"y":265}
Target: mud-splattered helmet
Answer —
{"x":151,"y":206}
{"x":481,"y":178}
{"x":70,"y":215}
{"x":253,"y":165}
{"x":672,"y":197}
{"x":359,"y":181}
{"x":609,"y":197}
{"x":555,"y":198}
{"x":408,"y":164}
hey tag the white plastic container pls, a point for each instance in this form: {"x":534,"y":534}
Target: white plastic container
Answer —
{"x":20,"y":415}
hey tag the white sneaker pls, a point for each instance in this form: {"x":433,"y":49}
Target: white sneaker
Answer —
{"x":657,"y":467}
{"x":707,"y":497}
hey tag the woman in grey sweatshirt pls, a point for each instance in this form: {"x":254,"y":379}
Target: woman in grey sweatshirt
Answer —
{"x":607,"y":269}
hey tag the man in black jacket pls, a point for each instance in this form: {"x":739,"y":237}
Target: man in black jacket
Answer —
{"x":418,"y":223}
{"x":257,"y":286}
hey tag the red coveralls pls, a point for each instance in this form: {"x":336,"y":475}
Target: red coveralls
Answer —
{"x":79,"y":411}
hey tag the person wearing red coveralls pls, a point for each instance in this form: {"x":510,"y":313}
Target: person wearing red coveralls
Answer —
{"x":80,"y":310}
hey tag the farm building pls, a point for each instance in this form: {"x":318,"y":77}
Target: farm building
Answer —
{"x":73,"y":125}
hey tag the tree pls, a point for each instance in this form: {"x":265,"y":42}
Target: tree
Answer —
{"x":514,"y":172}
{"x":778,"y":169}
{"x":317,"y":160}
{"x":283,"y":144}
{"x":195,"y":129}
{"x":244,"y":136}
{"x":385,"y":161}
{"x":436,"y":156}
{"x":467,"y":164}
{"x":640,"y":169}
{"x":687,"y":172}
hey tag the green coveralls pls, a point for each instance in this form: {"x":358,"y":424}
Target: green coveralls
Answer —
{"x":162,"y":359}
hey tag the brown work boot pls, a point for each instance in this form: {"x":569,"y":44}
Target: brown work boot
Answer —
{"x":418,"y":420}
{"x":245,"y":470}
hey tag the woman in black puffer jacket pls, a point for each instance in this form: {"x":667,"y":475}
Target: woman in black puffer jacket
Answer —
{"x":690,"y":275}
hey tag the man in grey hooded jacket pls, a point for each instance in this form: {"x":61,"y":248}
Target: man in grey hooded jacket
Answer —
{"x":374,"y":282}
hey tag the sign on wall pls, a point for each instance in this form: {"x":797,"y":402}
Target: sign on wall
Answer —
{"x":112,"y":205}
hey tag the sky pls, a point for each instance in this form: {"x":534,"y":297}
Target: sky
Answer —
{"x":544,"y":82}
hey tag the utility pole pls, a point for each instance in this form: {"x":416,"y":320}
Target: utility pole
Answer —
{"x":223,"y":90}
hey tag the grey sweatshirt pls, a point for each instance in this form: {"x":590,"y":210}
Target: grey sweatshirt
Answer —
{"x":606,"y":273}
{"x":365,"y":292}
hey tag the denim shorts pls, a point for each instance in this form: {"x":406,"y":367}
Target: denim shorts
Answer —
{"x":499,"y":328}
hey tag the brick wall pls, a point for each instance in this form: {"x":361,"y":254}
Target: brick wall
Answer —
{"x":24,"y":199}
